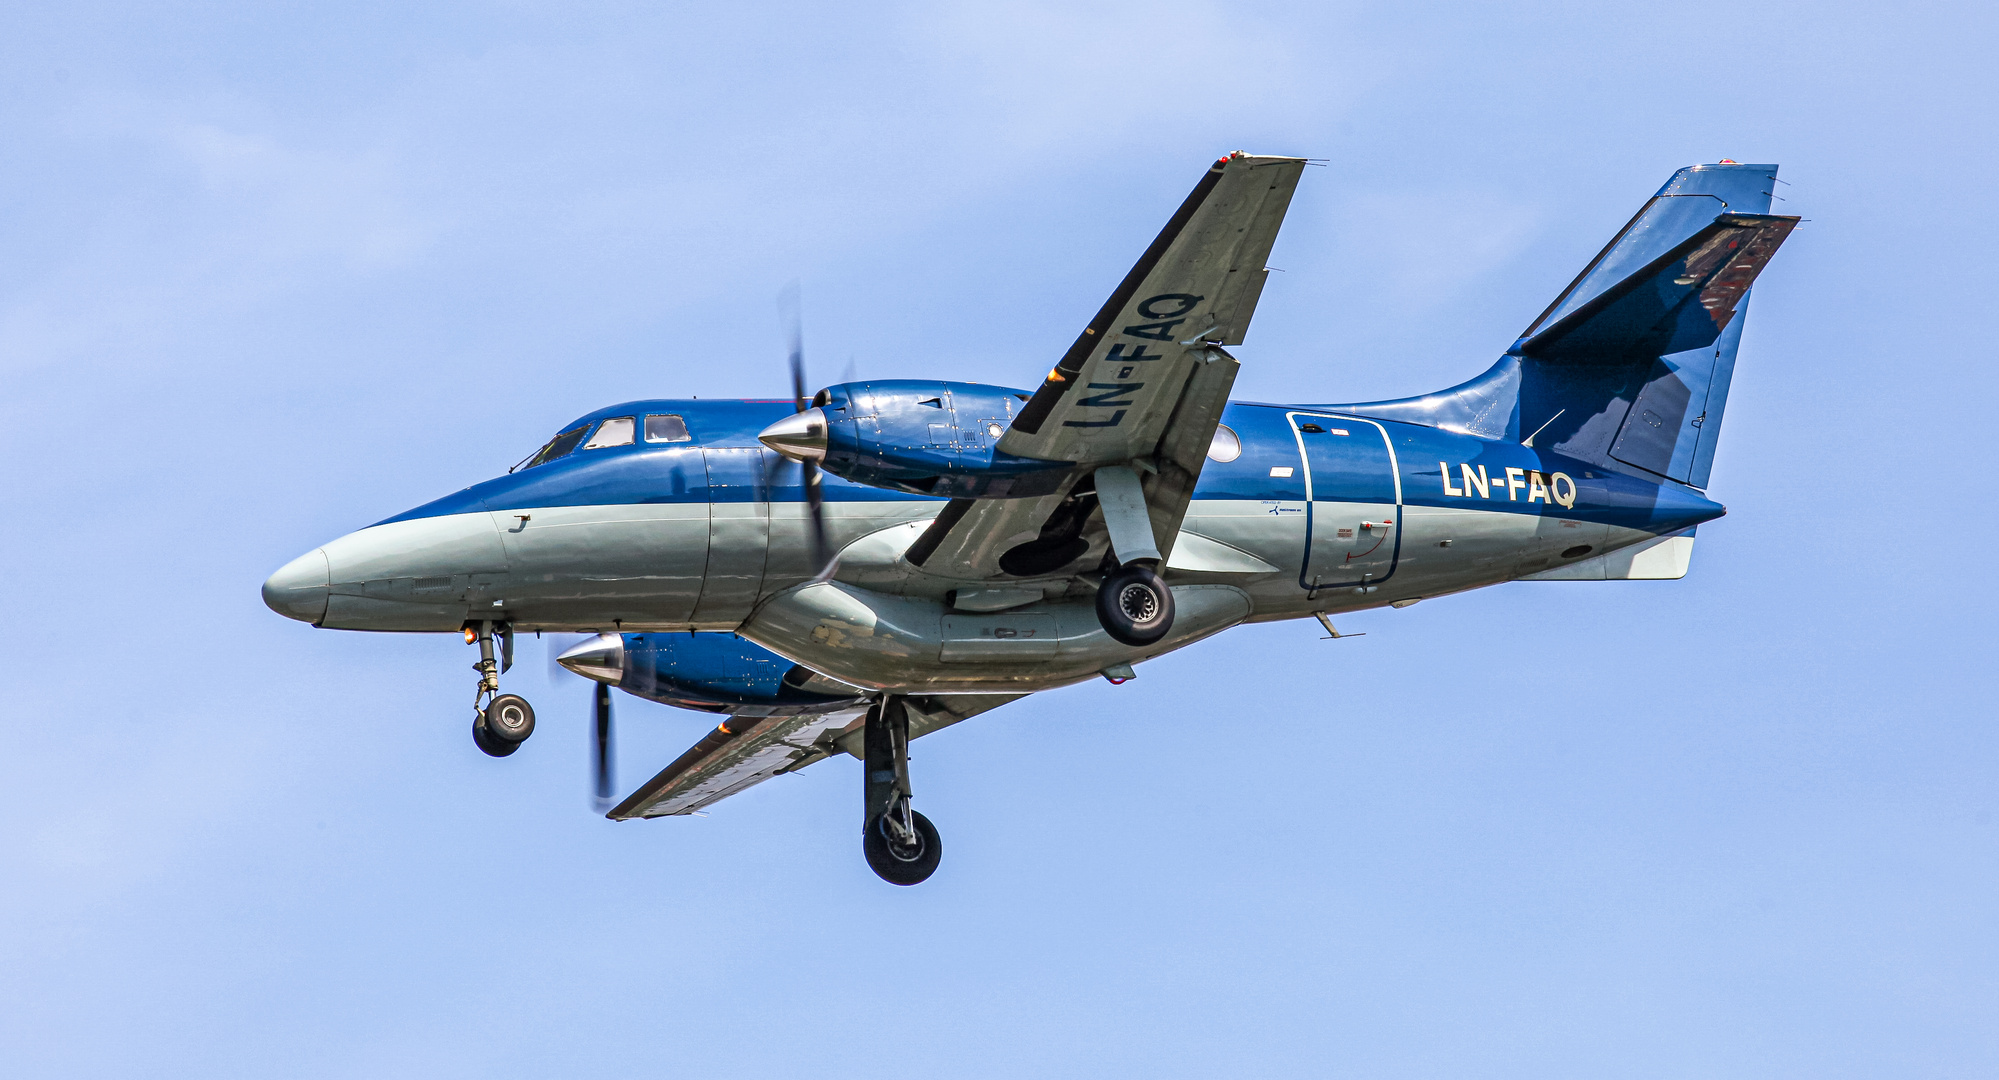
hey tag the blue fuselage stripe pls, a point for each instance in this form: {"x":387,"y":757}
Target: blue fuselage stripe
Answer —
{"x":1436,"y":468}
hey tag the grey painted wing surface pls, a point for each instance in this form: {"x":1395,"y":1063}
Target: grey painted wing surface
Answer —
{"x":744,"y":751}
{"x":1110,"y":397}
{"x":740,"y":752}
{"x":1147,"y":380}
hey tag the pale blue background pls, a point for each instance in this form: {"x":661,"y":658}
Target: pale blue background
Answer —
{"x":269,"y":273}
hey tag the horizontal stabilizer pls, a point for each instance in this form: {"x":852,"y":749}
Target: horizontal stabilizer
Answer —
{"x":1682,"y":300}
{"x":1663,"y":558}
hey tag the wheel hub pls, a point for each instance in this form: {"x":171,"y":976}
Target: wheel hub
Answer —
{"x":1138,"y":603}
{"x":905,"y":842}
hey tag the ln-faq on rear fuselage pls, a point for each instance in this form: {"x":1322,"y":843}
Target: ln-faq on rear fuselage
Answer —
{"x":845,"y":573}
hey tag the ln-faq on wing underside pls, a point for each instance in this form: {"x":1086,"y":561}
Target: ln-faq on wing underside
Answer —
{"x":853,"y":569}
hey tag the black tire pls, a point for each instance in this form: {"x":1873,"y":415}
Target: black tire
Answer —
{"x":902,"y":867}
{"x":489,"y":745}
{"x":509,"y":718}
{"x":1135,"y":606}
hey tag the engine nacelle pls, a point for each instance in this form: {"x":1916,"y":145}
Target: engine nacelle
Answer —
{"x":917,"y":435}
{"x":718,"y":673}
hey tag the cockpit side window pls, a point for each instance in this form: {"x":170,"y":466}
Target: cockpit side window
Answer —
{"x":557,"y":447}
{"x":666,"y":427}
{"x":613,"y":432}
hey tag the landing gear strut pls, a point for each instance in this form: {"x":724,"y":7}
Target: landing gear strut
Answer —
{"x":901,"y":845}
{"x":500,"y":722}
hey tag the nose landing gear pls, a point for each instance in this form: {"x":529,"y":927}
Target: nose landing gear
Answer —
{"x":500,"y":722}
{"x":901,"y":845}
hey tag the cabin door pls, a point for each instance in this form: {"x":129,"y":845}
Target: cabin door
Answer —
{"x":1352,"y":498}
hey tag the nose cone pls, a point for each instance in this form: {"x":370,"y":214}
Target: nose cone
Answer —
{"x":800,"y":436}
{"x":298,"y":590}
{"x":601,"y":658}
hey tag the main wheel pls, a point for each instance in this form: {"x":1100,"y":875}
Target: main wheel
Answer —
{"x":1134,"y":605}
{"x":489,"y":745}
{"x":509,"y":718}
{"x":898,"y":864}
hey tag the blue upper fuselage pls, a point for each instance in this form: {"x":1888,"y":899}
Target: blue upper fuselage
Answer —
{"x":1435,"y":468}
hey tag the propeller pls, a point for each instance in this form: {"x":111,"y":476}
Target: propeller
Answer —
{"x":815,"y":505}
{"x":601,"y":659}
{"x":602,"y":761}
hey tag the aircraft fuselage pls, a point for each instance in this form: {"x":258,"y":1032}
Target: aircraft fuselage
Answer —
{"x":1323,"y":509}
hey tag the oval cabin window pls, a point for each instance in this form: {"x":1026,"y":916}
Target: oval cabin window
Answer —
{"x":1226,"y":446}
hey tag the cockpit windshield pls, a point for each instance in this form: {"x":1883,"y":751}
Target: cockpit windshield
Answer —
{"x":558,"y":446}
{"x":616,"y":431}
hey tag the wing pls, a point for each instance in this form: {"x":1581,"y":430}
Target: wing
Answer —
{"x":746,"y":750}
{"x":1144,"y":384}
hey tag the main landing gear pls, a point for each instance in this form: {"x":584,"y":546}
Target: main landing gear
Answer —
{"x":1134,"y":605}
{"x":500,"y":722}
{"x":901,"y":845}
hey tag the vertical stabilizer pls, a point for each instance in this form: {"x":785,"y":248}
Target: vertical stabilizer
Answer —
{"x":1630,"y":367}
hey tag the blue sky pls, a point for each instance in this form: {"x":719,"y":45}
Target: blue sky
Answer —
{"x":268,"y":274}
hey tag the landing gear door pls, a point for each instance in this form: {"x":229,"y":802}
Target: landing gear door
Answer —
{"x":1353,"y":501}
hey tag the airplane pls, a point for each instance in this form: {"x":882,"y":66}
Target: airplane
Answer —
{"x":845,"y":571}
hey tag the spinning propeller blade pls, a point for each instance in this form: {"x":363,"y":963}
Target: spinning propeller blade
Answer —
{"x":822,"y":555}
{"x":601,"y":659}
{"x":601,"y":755}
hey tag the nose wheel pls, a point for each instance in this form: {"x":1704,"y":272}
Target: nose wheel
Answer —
{"x":901,"y":845}
{"x":500,"y":722}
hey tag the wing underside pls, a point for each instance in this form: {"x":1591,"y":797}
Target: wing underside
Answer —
{"x":744,"y":751}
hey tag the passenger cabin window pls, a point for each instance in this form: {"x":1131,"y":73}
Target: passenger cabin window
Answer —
{"x":666,"y":427}
{"x":1226,"y":447}
{"x":556,"y":447}
{"x":613,"y":432}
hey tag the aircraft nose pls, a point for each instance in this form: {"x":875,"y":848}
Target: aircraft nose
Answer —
{"x":298,"y":590}
{"x":601,"y":658}
{"x":800,"y":436}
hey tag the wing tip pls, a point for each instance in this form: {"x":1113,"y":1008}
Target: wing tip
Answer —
{"x":1254,"y":160}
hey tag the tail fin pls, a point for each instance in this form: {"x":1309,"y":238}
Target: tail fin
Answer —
{"x":1629,"y":368}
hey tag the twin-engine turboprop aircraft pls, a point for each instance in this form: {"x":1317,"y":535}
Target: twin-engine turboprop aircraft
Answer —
{"x":846,"y":573}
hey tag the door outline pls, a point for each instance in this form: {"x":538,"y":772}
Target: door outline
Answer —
{"x":1311,"y":504}
{"x":738,"y":540}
